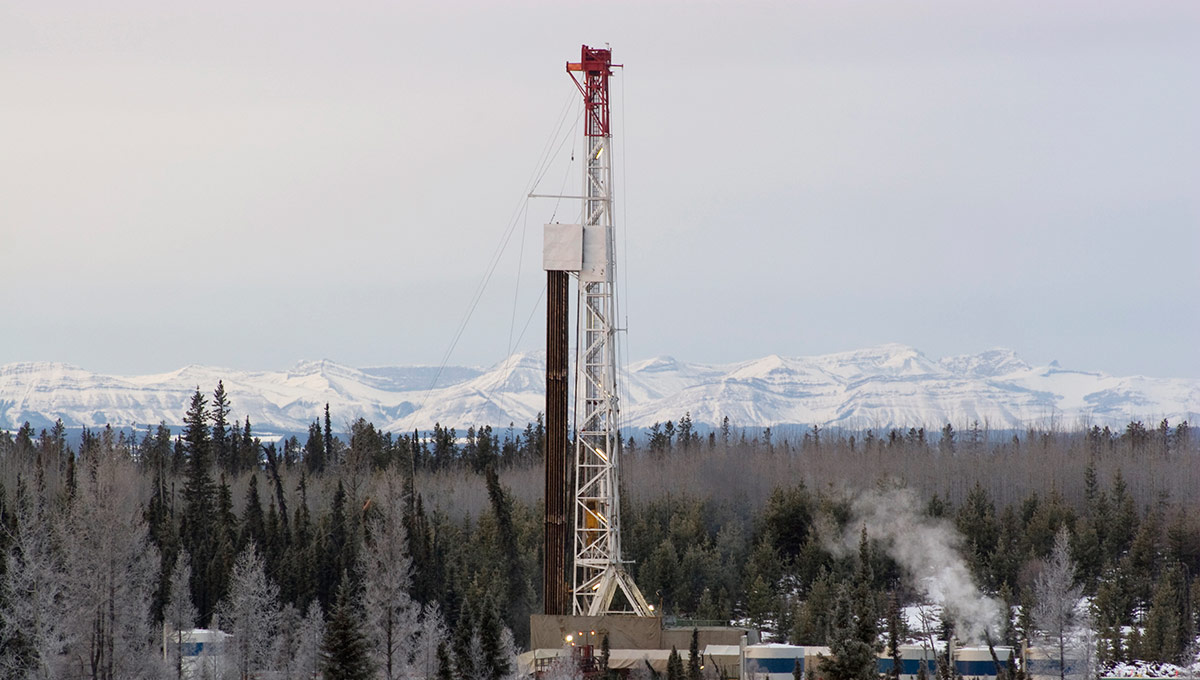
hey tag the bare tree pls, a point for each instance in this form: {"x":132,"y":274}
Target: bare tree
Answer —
{"x":179,"y":615}
{"x":33,"y":621}
{"x":432,"y":633}
{"x":297,"y":648}
{"x":564,"y":667}
{"x":391,"y":614}
{"x":251,"y":613}
{"x":1086,"y":646}
{"x":1057,"y":600}
{"x":110,"y":574}
{"x":312,"y":632}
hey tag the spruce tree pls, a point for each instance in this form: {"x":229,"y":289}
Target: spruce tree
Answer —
{"x":894,"y":637}
{"x":853,"y":658}
{"x":329,"y":459}
{"x":1166,"y":631}
{"x":302,"y":585}
{"x":516,"y":588}
{"x":197,"y":528}
{"x":220,"y":429}
{"x":339,"y":550}
{"x":693,"y":666}
{"x":249,"y":455}
{"x":314,"y":449}
{"x":345,"y":651}
{"x":464,"y":631}
{"x":445,"y":669}
{"x":253,"y":524}
{"x":674,"y":665}
{"x":496,"y":665}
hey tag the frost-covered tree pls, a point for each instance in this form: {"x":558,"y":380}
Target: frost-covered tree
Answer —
{"x":111,"y":573}
{"x":430,"y":636}
{"x":1057,"y":599}
{"x":179,"y":614}
{"x":298,"y":645}
{"x":250,"y":614}
{"x":33,"y":623}
{"x":392,"y":616}
{"x":508,"y":652}
{"x":563,"y":668}
{"x":1086,"y":646}
{"x":287,"y":643}
{"x":312,"y":634}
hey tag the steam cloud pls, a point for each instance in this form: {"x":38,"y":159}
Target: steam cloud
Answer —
{"x":927,"y":549}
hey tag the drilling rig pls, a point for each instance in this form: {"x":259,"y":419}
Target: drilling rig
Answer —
{"x":600,"y":584}
{"x":600,"y":602}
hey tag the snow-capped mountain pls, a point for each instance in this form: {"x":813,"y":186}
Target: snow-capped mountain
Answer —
{"x":879,"y":387}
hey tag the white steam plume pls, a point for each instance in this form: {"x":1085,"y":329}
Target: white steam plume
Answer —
{"x":927,"y":549}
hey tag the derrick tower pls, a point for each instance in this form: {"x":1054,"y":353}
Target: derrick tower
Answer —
{"x":587,"y":250}
{"x":599,"y":570}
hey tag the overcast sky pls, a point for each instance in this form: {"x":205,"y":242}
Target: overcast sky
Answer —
{"x":249,"y":184}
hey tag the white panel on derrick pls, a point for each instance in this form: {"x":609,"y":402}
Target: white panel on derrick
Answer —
{"x":562,"y":247}
{"x":595,"y":253}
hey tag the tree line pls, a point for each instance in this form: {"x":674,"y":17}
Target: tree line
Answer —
{"x":381,"y":555}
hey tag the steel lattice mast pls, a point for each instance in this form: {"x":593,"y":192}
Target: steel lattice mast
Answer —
{"x":599,"y":572}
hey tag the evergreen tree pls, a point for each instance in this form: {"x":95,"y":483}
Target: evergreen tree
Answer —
{"x":813,"y":619}
{"x":1112,"y":608}
{"x":314,"y":449}
{"x":249,"y":458}
{"x":693,"y":666}
{"x":516,"y":586}
{"x":946,"y":443}
{"x":301,"y":586}
{"x":445,"y":669}
{"x":222,"y":449}
{"x":977,"y":523}
{"x":198,"y":528}
{"x":464,"y":633}
{"x":1123,"y":527}
{"x":164,"y":533}
{"x":254,"y":527}
{"x":340,"y":553}
{"x":345,"y":651}
{"x":1166,"y":633}
{"x":895,"y":638}
{"x":496,"y":664}
{"x":329,"y":452}
{"x":852,"y":658}
{"x":674,"y":665}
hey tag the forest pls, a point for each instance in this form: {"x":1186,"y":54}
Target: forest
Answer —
{"x":398,"y":555}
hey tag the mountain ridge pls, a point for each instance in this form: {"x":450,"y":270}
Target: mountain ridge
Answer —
{"x":880,"y":387}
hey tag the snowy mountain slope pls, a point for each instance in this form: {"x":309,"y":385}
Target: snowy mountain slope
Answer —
{"x":878,"y":387}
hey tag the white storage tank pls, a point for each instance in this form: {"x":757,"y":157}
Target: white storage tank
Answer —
{"x":1043,"y":663}
{"x":976,"y":663}
{"x":775,"y":661}
{"x":911,"y":658}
